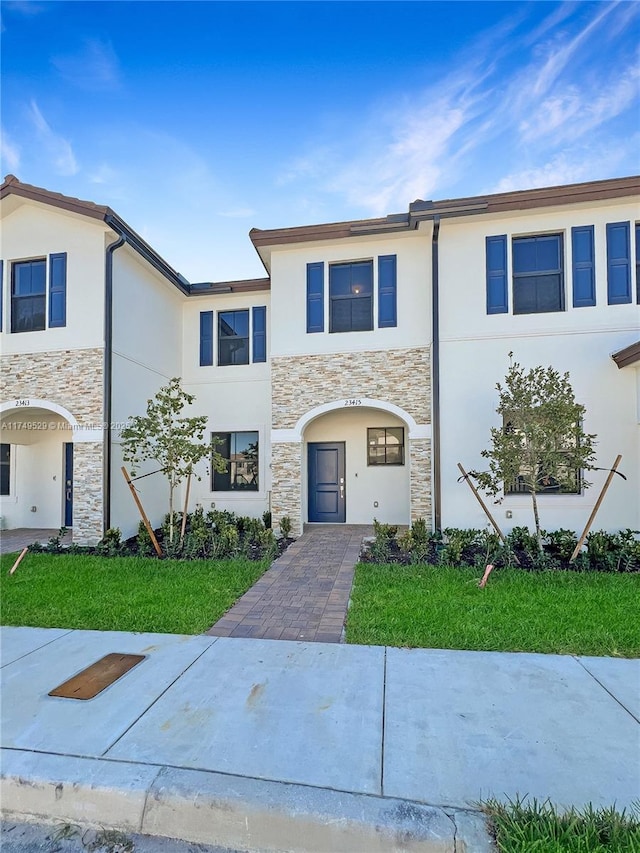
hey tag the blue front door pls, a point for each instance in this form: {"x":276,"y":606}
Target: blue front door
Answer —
{"x":68,"y":484}
{"x":326,"y":482}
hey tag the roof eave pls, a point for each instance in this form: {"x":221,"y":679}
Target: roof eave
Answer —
{"x":627,"y":356}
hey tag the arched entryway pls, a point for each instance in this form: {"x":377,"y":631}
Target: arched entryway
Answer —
{"x":350,"y":461}
{"x":37,"y":439}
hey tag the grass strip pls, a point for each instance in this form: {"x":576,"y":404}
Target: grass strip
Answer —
{"x":533,"y":827}
{"x":557,"y":612}
{"x":122,"y":593}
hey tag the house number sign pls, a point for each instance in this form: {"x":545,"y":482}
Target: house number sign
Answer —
{"x":354,"y":401}
{"x":20,"y":404}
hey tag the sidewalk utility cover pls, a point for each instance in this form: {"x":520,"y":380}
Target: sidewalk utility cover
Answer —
{"x":95,"y":678}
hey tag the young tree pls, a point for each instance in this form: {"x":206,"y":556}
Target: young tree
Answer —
{"x":541,"y":444}
{"x":176,"y":443}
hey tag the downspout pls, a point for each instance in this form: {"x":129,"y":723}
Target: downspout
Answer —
{"x":435,"y":376}
{"x":108,"y":375}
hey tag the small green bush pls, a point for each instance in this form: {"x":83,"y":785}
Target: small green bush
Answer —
{"x":111,"y":543}
{"x":605,"y":552}
{"x":285,"y":526}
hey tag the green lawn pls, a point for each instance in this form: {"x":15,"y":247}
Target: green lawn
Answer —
{"x":441,"y":607}
{"x":122,"y":593}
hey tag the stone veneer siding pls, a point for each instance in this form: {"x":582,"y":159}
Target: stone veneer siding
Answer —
{"x":72,"y":379}
{"x":300,"y":383}
{"x":400,"y":376}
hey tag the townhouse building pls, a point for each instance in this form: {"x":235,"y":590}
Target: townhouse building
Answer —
{"x":345,"y":384}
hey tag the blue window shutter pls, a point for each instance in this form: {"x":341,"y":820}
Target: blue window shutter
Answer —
{"x":618,"y":263}
{"x":1,"y":292}
{"x":260,"y":333}
{"x":584,"y":281}
{"x":315,"y":297}
{"x":206,"y":338}
{"x":638,"y":264}
{"x":497,"y":290}
{"x":387,"y":291}
{"x":58,"y":290}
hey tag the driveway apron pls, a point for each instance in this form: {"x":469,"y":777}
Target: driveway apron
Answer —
{"x":305,"y":593}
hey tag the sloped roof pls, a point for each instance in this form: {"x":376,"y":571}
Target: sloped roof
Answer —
{"x":103,"y":213}
{"x":628,"y":355}
{"x":448,"y":208}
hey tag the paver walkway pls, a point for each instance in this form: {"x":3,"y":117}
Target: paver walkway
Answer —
{"x":16,"y":540}
{"x":305,"y":593}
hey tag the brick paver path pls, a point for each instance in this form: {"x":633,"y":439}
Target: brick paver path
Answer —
{"x":20,"y":537}
{"x":305,"y":593}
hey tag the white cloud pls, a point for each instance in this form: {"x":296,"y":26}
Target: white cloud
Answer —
{"x":9,"y":154}
{"x":516,"y":97}
{"x":57,"y":148}
{"x":103,"y":174}
{"x":94,"y":67}
{"x":589,"y":163}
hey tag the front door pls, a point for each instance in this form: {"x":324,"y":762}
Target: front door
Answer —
{"x":68,"y":484}
{"x":326,"y":482}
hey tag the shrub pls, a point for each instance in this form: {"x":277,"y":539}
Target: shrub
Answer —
{"x":285,"y":526}
{"x":608,"y":552}
{"x":143,"y":540}
{"x":111,"y":543}
{"x":266,"y":519}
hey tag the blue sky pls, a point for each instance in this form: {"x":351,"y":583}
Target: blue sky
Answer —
{"x":197,"y":121}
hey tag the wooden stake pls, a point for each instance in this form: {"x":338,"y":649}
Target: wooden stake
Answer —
{"x":18,"y":561}
{"x":594,"y":511}
{"x":481,"y":502}
{"x":486,"y":509}
{"x":186,"y":506}
{"x":146,"y":521}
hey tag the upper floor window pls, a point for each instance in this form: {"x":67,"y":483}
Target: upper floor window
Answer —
{"x":233,"y":337}
{"x":351,"y":297}
{"x":235,"y":329}
{"x":29,"y":296}
{"x":240,"y":450}
{"x":538,"y":276}
{"x":29,"y":293}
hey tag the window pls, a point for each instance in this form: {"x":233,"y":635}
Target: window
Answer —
{"x":233,"y":337}
{"x":5,"y":468}
{"x":546,"y":484}
{"x":240,"y":449}
{"x":538,"y":279}
{"x":351,"y":297}
{"x":385,"y":446}
{"x":28,"y":296}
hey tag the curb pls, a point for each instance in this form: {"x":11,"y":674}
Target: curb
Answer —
{"x":229,"y":811}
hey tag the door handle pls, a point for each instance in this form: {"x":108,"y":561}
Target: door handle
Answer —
{"x":341,"y":490}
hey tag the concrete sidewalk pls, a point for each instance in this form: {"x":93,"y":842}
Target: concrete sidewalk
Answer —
{"x":277,"y":745}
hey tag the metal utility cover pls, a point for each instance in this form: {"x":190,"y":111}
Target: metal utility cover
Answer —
{"x":95,"y":678}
